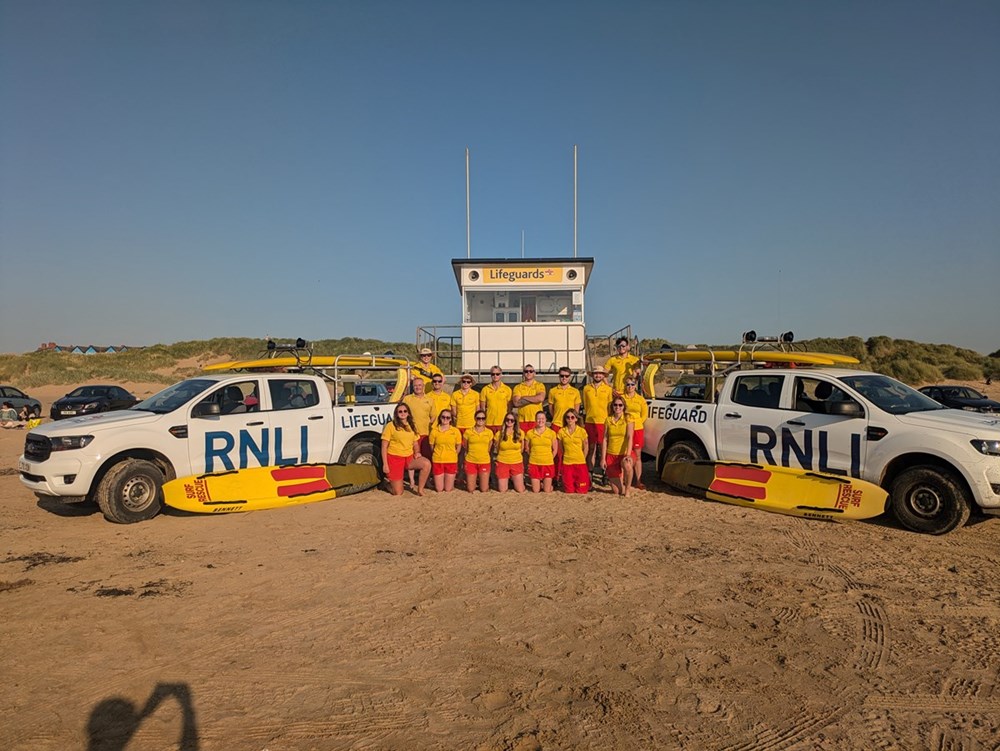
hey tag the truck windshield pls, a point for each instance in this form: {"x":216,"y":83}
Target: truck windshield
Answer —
{"x":890,"y":395}
{"x":175,"y":396}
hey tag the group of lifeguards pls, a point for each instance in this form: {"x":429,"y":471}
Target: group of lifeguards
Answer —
{"x":441,"y":434}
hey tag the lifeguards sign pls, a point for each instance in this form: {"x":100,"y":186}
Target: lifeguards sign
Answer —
{"x":522,"y":274}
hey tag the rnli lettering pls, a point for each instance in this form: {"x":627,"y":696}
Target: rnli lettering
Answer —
{"x":808,"y":449}
{"x":679,"y":412}
{"x":220,"y":446}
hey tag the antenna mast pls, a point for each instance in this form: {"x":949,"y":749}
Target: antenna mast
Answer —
{"x":468,"y":214}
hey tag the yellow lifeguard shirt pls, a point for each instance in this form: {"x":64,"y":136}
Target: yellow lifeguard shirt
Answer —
{"x":465,"y":406}
{"x":445,"y":444}
{"x":496,"y":401}
{"x":479,"y":445}
{"x":441,"y":401}
{"x":510,"y":450}
{"x":572,"y":445}
{"x":562,"y":398}
{"x":636,"y":408}
{"x":540,"y":447}
{"x":527,"y":414}
{"x":597,"y":402}
{"x":619,"y":367}
{"x":615,"y":432}
{"x":400,"y":441}
{"x":420,"y":408}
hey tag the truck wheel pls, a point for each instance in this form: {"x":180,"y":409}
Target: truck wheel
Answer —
{"x":930,"y":500}
{"x":131,"y":491}
{"x":363,"y":451}
{"x":684,"y":451}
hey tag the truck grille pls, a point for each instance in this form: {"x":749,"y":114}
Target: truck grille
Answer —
{"x":37,"y":448}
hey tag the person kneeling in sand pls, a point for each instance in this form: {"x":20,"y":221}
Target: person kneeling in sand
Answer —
{"x":401,"y":451}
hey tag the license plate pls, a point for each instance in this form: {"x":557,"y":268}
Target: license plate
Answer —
{"x":22,"y":466}
{"x":69,"y":411}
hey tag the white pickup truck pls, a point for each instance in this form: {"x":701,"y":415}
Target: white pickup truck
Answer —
{"x":935,"y":462}
{"x":205,"y":424}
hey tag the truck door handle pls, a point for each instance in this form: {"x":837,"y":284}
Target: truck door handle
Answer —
{"x":315,"y":417}
{"x":733,"y":414}
{"x":259,"y":422}
{"x":796,"y":422}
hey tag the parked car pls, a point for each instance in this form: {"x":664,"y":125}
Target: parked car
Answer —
{"x":366,"y":393}
{"x":961,"y":397}
{"x":688,"y":391}
{"x":86,"y":400}
{"x":19,"y":399}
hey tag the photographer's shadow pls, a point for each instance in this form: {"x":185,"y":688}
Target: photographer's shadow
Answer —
{"x":114,"y":721}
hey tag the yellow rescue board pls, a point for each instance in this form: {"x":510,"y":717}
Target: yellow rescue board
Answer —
{"x":258,"y":488}
{"x":762,"y":356}
{"x":780,"y":490}
{"x":310,"y":362}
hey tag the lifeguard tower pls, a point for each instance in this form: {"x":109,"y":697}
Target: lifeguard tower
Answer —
{"x":515,"y":311}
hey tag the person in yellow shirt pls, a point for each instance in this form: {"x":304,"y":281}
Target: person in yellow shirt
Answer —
{"x":478,"y":443}
{"x":637,"y":409}
{"x":494,"y":399}
{"x":597,"y":397}
{"x":510,"y":455}
{"x":425,"y":369}
{"x":528,"y":397}
{"x":445,"y":443}
{"x":421,"y":405}
{"x":563,"y":397}
{"x":616,"y":458}
{"x":442,"y":399}
{"x":573,"y":446}
{"x":541,"y":445}
{"x":622,"y":364}
{"x":464,"y":403}
{"x":401,"y":450}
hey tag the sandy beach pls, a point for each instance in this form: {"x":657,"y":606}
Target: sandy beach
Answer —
{"x":501,"y":623}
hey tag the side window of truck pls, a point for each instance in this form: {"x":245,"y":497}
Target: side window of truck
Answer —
{"x":813,"y":394}
{"x":759,"y":391}
{"x":235,"y":398}
{"x":291,"y":393}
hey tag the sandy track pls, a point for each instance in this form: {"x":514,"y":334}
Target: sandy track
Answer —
{"x":489,"y":622}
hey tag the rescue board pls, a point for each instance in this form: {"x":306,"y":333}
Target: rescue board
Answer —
{"x":780,"y":490}
{"x":259,"y":488}
{"x":324,"y":361}
{"x":749,"y":355}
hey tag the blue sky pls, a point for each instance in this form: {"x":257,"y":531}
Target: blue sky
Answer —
{"x":186,"y":170}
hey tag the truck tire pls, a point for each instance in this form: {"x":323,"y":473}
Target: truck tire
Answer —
{"x":929,"y":500}
{"x":684,"y":451}
{"x":363,"y":451}
{"x":131,"y":491}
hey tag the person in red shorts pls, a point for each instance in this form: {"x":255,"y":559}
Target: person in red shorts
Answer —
{"x":510,"y":455}
{"x":573,"y":471}
{"x":446,"y":440}
{"x":541,"y":445}
{"x":617,"y":455}
{"x":478,"y":444}
{"x":528,"y":397}
{"x":494,"y":399}
{"x":637,"y":410}
{"x":401,"y":450}
{"x":597,"y":397}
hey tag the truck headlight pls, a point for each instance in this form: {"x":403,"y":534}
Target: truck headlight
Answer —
{"x":70,"y":442}
{"x":988,"y":447}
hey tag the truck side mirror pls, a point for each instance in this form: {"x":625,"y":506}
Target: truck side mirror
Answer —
{"x":844,"y":409}
{"x":206,"y":409}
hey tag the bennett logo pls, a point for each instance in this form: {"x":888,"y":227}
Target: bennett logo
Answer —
{"x":502,"y":275}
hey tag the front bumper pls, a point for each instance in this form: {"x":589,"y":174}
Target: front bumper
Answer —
{"x":57,"y":476}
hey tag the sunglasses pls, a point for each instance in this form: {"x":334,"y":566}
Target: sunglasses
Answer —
{"x":619,"y":406}
{"x":402,"y":412}
{"x":445,"y":417}
{"x":465,"y":381}
{"x":529,"y":370}
{"x":436,"y":380}
{"x":496,"y":374}
{"x":509,"y":420}
{"x":630,"y":383}
{"x":563,"y":375}
{"x":480,"y":417}
{"x":622,"y":346}
{"x":570,"y":417}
